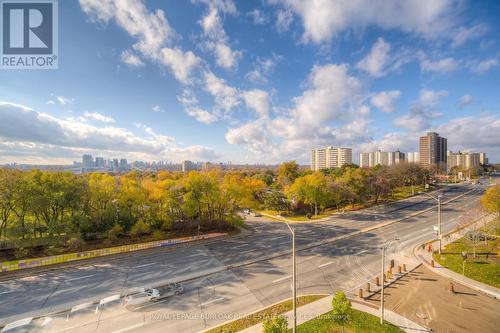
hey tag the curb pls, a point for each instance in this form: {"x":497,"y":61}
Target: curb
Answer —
{"x":445,"y":272}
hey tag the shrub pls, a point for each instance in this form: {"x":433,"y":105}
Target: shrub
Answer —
{"x":115,"y":232}
{"x":75,"y":244}
{"x":275,"y":324}
{"x":21,"y":253}
{"x":341,"y":309}
{"x":140,"y":228}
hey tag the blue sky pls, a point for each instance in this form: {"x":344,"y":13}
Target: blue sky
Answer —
{"x":256,"y":81}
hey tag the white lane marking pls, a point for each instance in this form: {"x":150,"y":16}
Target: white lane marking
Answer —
{"x":245,"y":252}
{"x":146,"y":265}
{"x":212,"y":301}
{"x":242,"y":245}
{"x":326,"y":264}
{"x":282,"y":279}
{"x":360,"y":252}
{"x":79,"y":278}
{"x":6,"y":292}
{"x":126,"y":329}
{"x":195,"y":255}
{"x":271,"y":269}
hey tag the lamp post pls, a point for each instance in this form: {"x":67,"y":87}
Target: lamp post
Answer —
{"x":294,"y":280}
{"x":438,"y":199}
{"x":384,"y":248}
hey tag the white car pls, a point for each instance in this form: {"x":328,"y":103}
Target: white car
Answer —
{"x":144,"y":296}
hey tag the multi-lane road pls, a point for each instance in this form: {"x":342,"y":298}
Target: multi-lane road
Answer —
{"x":218,"y":286}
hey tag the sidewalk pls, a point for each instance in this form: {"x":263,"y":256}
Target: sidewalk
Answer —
{"x":425,"y":257}
{"x":324,"y":305}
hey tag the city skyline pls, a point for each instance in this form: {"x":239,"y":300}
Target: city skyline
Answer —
{"x":256,"y":82}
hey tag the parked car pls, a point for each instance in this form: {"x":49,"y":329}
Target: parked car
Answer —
{"x":144,"y":296}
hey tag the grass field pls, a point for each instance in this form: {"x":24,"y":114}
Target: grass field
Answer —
{"x":485,"y":267}
{"x":361,"y":322}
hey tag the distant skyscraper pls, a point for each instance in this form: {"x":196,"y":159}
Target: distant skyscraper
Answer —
{"x":99,"y":162}
{"x":433,"y":151}
{"x":483,"y":159}
{"x":188,"y":166}
{"x":87,"y":161}
{"x":123,"y":164}
{"x":463,"y":161}
{"x":330,"y":157}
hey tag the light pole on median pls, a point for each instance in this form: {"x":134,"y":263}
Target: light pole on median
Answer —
{"x":294,"y":280}
{"x":384,"y":248}
{"x":438,"y":199}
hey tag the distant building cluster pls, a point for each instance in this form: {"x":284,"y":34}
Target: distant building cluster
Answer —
{"x":89,"y":164}
{"x":330,"y":157}
{"x":433,"y":153}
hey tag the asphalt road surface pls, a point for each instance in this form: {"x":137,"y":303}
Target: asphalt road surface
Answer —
{"x":214,"y":292}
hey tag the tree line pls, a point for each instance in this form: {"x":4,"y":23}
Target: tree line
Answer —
{"x":36,"y":204}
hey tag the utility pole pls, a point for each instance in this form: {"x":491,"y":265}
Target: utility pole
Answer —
{"x":294,"y":280}
{"x":382,"y":290}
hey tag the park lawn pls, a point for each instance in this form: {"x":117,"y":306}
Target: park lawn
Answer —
{"x":404,"y":192}
{"x":253,"y":319}
{"x":293,"y":216}
{"x":485,"y":267}
{"x":361,"y":322}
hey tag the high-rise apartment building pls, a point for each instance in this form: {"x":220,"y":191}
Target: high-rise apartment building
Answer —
{"x":99,"y":162}
{"x":413,"y":157}
{"x":330,"y":157}
{"x":371,"y":159}
{"x":483,"y":159}
{"x":433,"y":150}
{"x":463,"y":160}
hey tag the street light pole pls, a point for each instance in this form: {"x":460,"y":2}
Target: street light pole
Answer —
{"x":382,"y":290}
{"x":439,"y":222}
{"x":294,"y":280}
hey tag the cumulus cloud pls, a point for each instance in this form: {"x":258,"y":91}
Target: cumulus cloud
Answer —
{"x":445,"y":65}
{"x":376,"y":61}
{"x":422,"y":111}
{"x":217,"y":40}
{"x":324,"y":19}
{"x":26,"y":130}
{"x":262,"y":68}
{"x":384,"y":100}
{"x":98,"y":117}
{"x":258,"y":101}
{"x":226,"y":97}
{"x":152,"y":31}
{"x":190,"y":103}
{"x":131,"y":59}
{"x":258,"y":17}
{"x":484,"y":66}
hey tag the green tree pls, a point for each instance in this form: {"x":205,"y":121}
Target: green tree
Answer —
{"x":311,"y":190}
{"x":275,"y":200}
{"x":287,"y":173}
{"x":275,"y":324}
{"x":341,"y":309}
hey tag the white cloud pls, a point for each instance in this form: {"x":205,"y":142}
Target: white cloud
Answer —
{"x":422,"y":112}
{"x":218,"y":42}
{"x":384,"y":100}
{"x":152,"y":31}
{"x":284,"y":18}
{"x":446,"y":65}
{"x":375,"y":62}
{"x":131,"y":59}
{"x":64,"y":100}
{"x":262,"y":69}
{"x":465,"y":100}
{"x":98,"y":117}
{"x":257,"y":100}
{"x":28,"y":135}
{"x":258,"y":16}
{"x":157,"y":109}
{"x":464,"y":34}
{"x":324,"y":19}
{"x":484,"y":66}
{"x":226,"y":97}
{"x":190,"y":103}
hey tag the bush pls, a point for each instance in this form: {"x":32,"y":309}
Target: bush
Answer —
{"x":115,"y":232}
{"x":140,"y":228}
{"x":75,"y":244}
{"x":157,"y":234}
{"x":275,"y":324}
{"x":21,"y":253}
{"x":341,"y":309}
